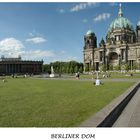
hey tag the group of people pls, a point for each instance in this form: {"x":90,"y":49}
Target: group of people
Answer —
{"x":107,"y":75}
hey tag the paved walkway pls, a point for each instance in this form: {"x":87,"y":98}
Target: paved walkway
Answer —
{"x":93,"y":80}
{"x":130,"y":117}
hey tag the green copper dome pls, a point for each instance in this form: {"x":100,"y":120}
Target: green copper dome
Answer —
{"x":120,"y":22}
{"x":138,"y":23}
{"x":89,"y":32}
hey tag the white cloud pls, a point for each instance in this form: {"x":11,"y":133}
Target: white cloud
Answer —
{"x":72,"y":58}
{"x":10,"y":44}
{"x":62,"y":52}
{"x":36,"y":40}
{"x":36,"y":54}
{"x":11,"y":47}
{"x":61,"y":11}
{"x":66,"y":59}
{"x":102,"y":16}
{"x":84,"y":20}
{"x":82,"y":6}
{"x":31,"y":34}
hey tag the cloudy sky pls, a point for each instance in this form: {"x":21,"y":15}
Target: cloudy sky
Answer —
{"x":55,"y":31}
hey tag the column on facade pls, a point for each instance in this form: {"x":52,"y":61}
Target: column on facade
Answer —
{"x":18,"y":68}
{"x":124,"y":54}
{"x":139,"y":63}
{"x":14,"y":68}
{"x":6,"y":68}
{"x":21,"y":65}
{"x":10,"y":68}
{"x":104,"y":58}
{"x":119,"y":59}
{"x":106,"y":61}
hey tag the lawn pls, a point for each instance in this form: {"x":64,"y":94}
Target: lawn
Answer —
{"x":53,"y":103}
{"x":112,"y":75}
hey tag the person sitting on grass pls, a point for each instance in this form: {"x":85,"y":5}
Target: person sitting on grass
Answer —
{"x":98,"y":82}
{"x":77,"y":75}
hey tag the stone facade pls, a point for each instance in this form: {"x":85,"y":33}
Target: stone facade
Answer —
{"x":10,"y":66}
{"x":121,"y":48}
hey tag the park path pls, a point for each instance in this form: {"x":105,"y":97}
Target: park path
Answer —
{"x":93,"y":80}
{"x":130,"y":116}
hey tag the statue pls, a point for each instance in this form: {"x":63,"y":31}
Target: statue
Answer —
{"x":52,"y":72}
{"x":98,"y":81}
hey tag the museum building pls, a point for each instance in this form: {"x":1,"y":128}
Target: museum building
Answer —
{"x":121,"y":47}
{"x":10,"y":66}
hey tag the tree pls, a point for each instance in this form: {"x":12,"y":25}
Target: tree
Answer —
{"x":47,"y":68}
{"x":126,"y":67}
{"x":81,"y":67}
{"x":64,"y":67}
{"x":110,"y":67}
{"x":103,"y":68}
{"x":117,"y":67}
{"x":135,"y":66}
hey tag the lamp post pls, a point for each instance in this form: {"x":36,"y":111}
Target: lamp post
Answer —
{"x":131,"y":65}
{"x":97,"y":75}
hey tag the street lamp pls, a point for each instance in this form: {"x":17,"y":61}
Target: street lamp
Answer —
{"x":131,"y":65}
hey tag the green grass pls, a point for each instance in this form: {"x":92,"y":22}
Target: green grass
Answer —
{"x":53,"y":103}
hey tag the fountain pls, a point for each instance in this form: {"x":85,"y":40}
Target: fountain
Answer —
{"x":52,"y":72}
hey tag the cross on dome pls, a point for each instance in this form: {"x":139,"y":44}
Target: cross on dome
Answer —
{"x":120,"y":13}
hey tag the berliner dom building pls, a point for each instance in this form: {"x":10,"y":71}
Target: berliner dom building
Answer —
{"x":120,"y":48}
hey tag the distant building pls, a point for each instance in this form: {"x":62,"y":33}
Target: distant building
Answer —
{"x":121,"y":48}
{"x":10,"y":66}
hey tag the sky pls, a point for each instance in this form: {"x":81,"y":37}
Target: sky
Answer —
{"x":55,"y":31}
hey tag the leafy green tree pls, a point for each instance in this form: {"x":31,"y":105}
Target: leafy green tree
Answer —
{"x":47,"y":68}
{"x":135,"y":66}
{"x":110,"y":67}
{"x":117,"y":67}
{"x":103,"y":68}
{"x":126,"y":67}
{"x":64,"y":67}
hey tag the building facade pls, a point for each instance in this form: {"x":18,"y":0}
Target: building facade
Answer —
{"x":10,"y":66}
{"x":121,"y":47}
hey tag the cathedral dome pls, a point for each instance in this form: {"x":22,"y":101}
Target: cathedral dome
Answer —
{"x":120,"y":22}
{"x":89,"y":32}
{"x":138,"y":24}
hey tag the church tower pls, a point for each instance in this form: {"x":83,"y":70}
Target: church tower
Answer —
{"x":90,"y":42}
{"x":138,"y":31}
